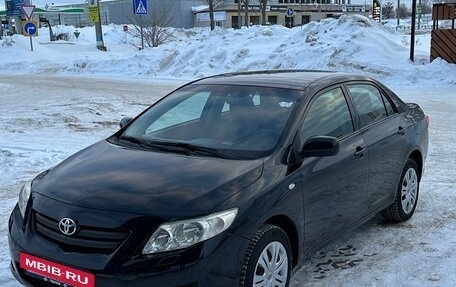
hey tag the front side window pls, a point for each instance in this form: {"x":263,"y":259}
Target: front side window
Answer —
{"x":328,"y":115}
{"x":239,"y":120}
{"x":368,"y":102}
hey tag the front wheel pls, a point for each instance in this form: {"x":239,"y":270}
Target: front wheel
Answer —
{"x":267,"y":261}
{"x":406,"y":195}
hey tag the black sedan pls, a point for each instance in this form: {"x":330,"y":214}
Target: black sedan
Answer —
{"x":231,"y":180}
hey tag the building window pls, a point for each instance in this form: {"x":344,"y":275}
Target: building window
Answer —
{"x":234,"y":22}
{"x":255,"y":20}
{"x":272,"y":20}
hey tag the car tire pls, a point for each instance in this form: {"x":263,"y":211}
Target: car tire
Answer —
{"x":406,"y":195}
{"x":270,"y":244}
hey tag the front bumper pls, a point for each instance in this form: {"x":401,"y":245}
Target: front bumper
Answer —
{"x":215,"y":262}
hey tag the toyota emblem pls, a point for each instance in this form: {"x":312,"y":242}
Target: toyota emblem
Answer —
{"x":67,"y":226}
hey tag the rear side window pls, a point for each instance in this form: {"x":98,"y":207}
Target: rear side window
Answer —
{"x":368,"y":102}
{"x":328,"y":115}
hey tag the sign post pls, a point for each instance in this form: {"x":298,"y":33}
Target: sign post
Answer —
{"x":140,"y":8}
{"x":29,"y":28}
{"x":289,"y":18}
{"x":94,"y":17}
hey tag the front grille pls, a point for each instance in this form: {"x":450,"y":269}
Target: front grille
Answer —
{"x":86,"y":239}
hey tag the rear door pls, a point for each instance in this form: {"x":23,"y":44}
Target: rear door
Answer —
{"x":383,"y":131}
{"x":334,"y":187}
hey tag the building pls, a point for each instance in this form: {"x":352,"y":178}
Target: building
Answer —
{"x":193,"y":13}
{"x":172,"y":13}
{"x":289,"y":13}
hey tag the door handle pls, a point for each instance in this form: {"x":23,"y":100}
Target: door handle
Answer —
{"x":401,"y":130}
{"x":360,"y":151}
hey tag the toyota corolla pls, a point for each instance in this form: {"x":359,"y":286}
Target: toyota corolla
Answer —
{"x":231,"y":180}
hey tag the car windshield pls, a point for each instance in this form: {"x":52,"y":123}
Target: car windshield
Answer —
{"x":235,"y":121}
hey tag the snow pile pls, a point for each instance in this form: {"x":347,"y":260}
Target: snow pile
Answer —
{"x":350,"y":43}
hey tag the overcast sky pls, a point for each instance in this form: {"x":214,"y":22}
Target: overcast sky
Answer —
{"x":42,"y":3}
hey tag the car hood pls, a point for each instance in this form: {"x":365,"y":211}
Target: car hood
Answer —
{"x":110,"y":177}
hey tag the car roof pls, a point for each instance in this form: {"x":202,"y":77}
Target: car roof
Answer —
{"x":290,"y":79}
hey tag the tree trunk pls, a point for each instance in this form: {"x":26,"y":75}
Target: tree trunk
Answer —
{"x":211,"y":14}
{"x":246,"y":15}
{"x":239,"y":15}
{"x":263,"y":12}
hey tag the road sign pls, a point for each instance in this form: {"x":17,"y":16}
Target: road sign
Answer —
{"x":93,"y":14}
{"x":28,"y":10}
{"x":290,"y":12}
{"x":29,"y":28}
{"x":140,"y":7}
{"x":13,"y":7}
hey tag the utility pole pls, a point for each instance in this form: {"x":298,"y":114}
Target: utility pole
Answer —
{"x":397,"y":12}
{"x":412,"y":35}
{"x":99,"y":31}
{"x":95,"y":17}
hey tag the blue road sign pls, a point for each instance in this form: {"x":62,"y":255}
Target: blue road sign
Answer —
{"x":30,"y":29}
{"x":140,"y":7}
{"x":13,"y":7}
{"x":289,"y":12}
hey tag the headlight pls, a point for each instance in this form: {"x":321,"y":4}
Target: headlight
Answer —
{"x":24,"y":196}
{"x":182,"y":234}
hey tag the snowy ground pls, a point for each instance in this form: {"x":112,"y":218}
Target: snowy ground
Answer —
{"x":45,"y":116}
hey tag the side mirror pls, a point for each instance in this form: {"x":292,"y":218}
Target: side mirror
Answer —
{"x":320,"y":146}
{"x":123,"y":122}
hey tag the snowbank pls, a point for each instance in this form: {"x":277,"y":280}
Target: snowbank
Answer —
{"x":351,"y":43}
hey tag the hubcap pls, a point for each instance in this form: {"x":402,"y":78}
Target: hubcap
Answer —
{"x":271,"y":269}
{"x":409,"y":190}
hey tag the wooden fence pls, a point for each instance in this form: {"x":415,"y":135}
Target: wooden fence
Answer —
{"x":443,"y":41}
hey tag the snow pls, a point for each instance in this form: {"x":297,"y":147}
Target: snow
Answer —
{"x":199,"y":8}
{"x":66,"y":95}
{"x":351,"y":43}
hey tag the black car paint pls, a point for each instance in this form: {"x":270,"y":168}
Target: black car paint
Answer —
{"x":98,"y":177}
{"x":295,"y":195}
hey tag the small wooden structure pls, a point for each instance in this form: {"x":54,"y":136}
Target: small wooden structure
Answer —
{"x":443,"y":41}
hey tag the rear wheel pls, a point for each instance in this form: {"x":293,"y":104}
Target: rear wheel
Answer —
{"x":406,"y":195}
{"x":267,"y":261}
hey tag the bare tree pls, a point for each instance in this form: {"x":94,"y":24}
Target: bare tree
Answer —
{"x":403,"y":11}
{"x":246,"y":12}
{"x":212,"y":6}
{"x":388,"y":10}
{"x":155,"y":23}
{"x":426,"y":6}
{"x":263,"y":5}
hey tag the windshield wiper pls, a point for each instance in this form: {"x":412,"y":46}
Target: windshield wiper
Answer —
{"x":196,"y":149}
{"x":153,"y":145}
{"x":181,"y":147}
